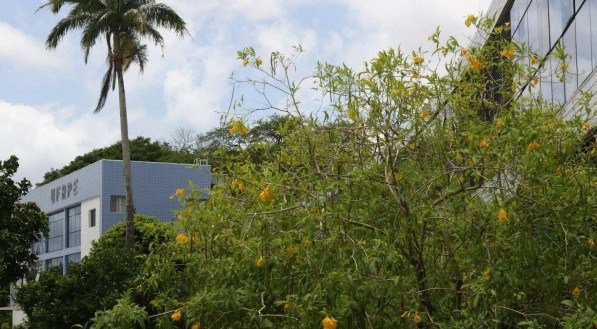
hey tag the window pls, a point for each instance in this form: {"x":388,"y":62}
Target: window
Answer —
{"x":39,"y":247}
{"x":54,"y":263}
{"x":92,"y":218}
{"x":583,"y":43}
{"x":117,"y":204}
{"x":56,"y":231}
{"x":74,"y":227}
{"x":72,"y":259}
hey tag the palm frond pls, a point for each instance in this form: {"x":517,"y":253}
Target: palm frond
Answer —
{"x":105,"y":89}
{"x":64,"y":26}
{"x":161,"y":15}
{"x":55,"y":5}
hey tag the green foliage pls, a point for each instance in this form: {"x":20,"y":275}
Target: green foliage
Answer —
{"x":57,"y":301}
{"x":21,"y":225}
{"x":124,"y":315}
{"x":142,"y":149}
{"x":260,"y":143}
{"x":415,"y":198}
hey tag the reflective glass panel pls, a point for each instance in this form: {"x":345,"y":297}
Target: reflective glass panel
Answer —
{"x":56,"y":234}
{"x":593,"y":11}
{"x":74,"y":226}
{"x":583,"y":43}
{"x":570,"y":49}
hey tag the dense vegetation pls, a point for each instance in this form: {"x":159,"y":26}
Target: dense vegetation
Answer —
{"x":142,"y":149}
{"x":57,"y":301}
{"x":410,"y":197}
{"x":21,"y":225}
{"x":414,"y":198}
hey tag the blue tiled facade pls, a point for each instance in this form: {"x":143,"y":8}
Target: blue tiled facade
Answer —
{"x":153,"y":184}
{"x":92,"y":188}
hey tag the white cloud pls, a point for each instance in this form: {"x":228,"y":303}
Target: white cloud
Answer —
{"x":42,"y":140}
{"x":24,"y":50}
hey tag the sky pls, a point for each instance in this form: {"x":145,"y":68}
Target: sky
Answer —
{"x":47,"y":97}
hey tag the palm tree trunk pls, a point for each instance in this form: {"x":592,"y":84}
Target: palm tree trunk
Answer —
{"x":126,"y":154}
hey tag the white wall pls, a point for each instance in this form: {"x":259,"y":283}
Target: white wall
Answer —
{"x":90,"y":234}
{"x":18,"y":317}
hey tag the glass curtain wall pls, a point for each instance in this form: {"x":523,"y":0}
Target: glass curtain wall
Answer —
{"x":56,"y":235}
{"x":74,"y":226}
{"x":541,"y":24}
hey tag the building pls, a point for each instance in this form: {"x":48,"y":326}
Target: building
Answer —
{"x":82,"y":205}
{"x":544,"y":24}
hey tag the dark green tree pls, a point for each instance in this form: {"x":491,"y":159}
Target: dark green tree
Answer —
{"x":122,"y":25}
{"x":57,"y":301}
{"x":142,"y":149}
{"x":21,"y":225}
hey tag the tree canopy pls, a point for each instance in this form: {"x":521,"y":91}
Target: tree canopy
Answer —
{"x":94,"y":284}
{"x":21,"y":225}
{"x":142,"y":149}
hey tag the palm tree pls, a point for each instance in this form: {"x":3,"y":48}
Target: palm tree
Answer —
{"x":123,"y":25}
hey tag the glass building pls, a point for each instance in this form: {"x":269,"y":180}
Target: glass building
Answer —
{"x":542,"y":25}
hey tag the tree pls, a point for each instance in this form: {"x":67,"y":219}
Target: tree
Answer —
{"x":21,"y":225}
{"x":141,"y":148}
{"x":58,"y":301}
{"x":414,"y":199}
{"x":122,"y":24}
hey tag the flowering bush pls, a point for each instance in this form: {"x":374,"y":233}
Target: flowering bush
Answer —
{"x":415,"y":197}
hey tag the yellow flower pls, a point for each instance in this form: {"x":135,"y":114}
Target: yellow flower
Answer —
{"x":425,"y":115}
{"x":245,"y":62}
{"x":576,"y":292}
{"x":292,"y":250}
{"x":563,"y":66}
{"x":234,"y":182}
{"x":267,"y":195}
{"x":241,"y":186}
{"x":154,"y":303}
{"x":196,"y":238}
{"x":533,"y":146}
{"x":463,"y":52}
{"x":180,"y":192}
{"x":461,"y":179}
{"x":470,"y":163}
{"x":416,"y":75}
{"x":502,"y":215}
{"x":181,"y":238}
{"x":487,"y":274}
{"x":258,"y":62}
{"x":238,"y":127}
{"x":445,"y":52}
{"x":329,"y":323}
{"x":287,"y":305}
{"x":417,"y":318}
{"x":499,"y":123}
{"x":307,"y":243}
{"x":418,"y":60}
{"x":484,"y":144}
{"x":196,"y":326}
{"x":470,"y":19}
{"x":140,"y":288}
{"x":591,"y":243}
{"x":535,"y":80}
{"x":508,"y":53}
{"x":534,"y":60}
{"x":260,"y":261}
{"x":586,"y":125}
{"x":477,"y":65}
{"x":176,"y":315}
